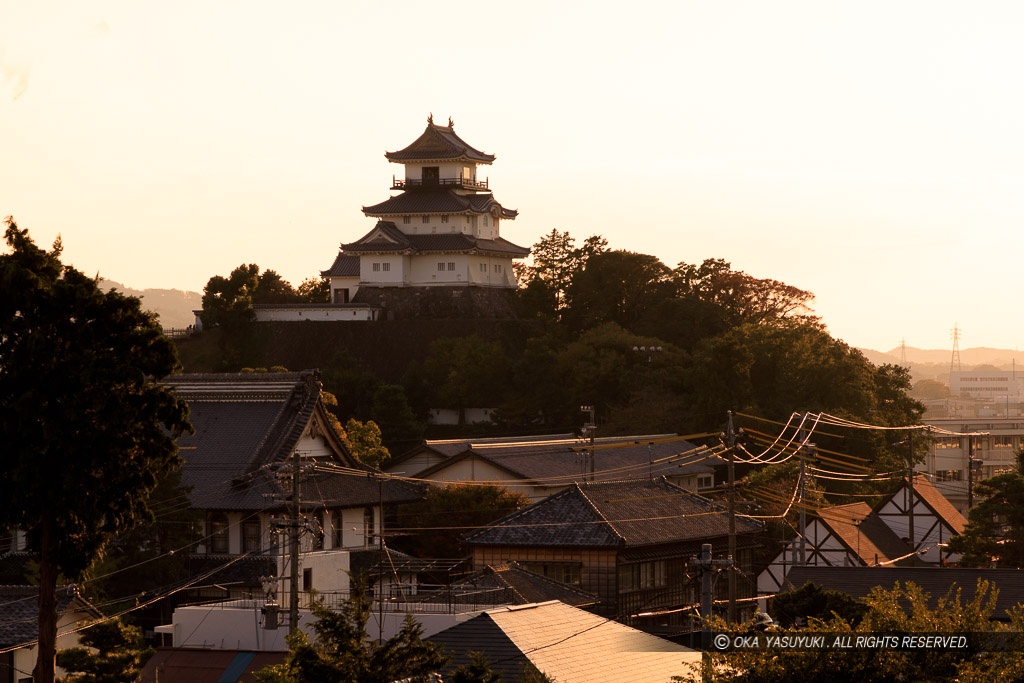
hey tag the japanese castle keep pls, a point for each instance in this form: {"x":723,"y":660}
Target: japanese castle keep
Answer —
{"x":436,"y":250}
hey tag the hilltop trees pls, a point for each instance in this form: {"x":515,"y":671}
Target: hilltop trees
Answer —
{"x":86,"y":429}
{"x":229,"y":300}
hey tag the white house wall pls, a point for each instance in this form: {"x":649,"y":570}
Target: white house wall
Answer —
{"x":475,"y":469}
{"x":25,"y":657}
{"x":315,"y":313}
{"x":821,"y":549}
{"x":929,"y":531}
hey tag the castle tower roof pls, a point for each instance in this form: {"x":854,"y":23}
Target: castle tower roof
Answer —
{"x":439,"y":143}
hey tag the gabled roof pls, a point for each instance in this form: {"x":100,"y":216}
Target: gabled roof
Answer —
{"x":937,"y":502}
{"x":439,"y":142}
{"x":19,"y":611}
{"x":345,"y":265}
{"x":385,"y":237}
{"x":440,"y":202}
{"x":864,"y":534}
{"x":566,"y":643}
{"x":561,"y":463}
{"x":626,"y":514}
{"x":246,"y":421}
{"x":936,"y":581}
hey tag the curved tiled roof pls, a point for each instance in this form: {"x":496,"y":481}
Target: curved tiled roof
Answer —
{"x":438,"y":202}
{"x":345,"y":265}
{"x":439,"y":142}
{"x":386,"y":237}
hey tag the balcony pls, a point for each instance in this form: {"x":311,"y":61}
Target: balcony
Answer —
{"x":432,"y":183}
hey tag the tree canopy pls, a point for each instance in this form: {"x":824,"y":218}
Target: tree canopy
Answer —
{"x":994,"y":536}
{"x":87,"y":429}
{"x":108,"y":652}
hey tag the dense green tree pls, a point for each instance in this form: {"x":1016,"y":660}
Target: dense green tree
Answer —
{"x":228,"y":300}
{"x":396,"y":419}
{"x":271,"y":288}
{"x":465,"y":372}
{"x":556,"y":260}
{"x":994,"y":536}
{"x":108,"y":652}
{"x":343,"y":652}
{"x":447,"y":512}
{"x":900,"y":611}
{"x":811,"y":601}
{"x":87,"y":430}
{"x":364,"y":442}
{"x":477,"y":670}
{"x":314,"y":290}
{"x":929,"y":389}
{"x":618,"y":287}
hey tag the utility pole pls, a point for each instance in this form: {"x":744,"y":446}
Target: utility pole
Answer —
{"x":970,"y":473}
{"x":380,"y":562}
{"x":293,"y":604}
{"x":913,"y":499}
{"x":705,"y":566}
{"x":591,"y":427}
{"x":731,"y":614}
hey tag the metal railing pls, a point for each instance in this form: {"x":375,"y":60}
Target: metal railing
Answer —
{"x":468,"y":183}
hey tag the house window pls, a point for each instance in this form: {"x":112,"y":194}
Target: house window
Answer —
{"x":368,"y":526}
{"x":451,"y":266}
{"x":1002,"y":442}
{"x":219,"y":533}
{"x":426,"y":219}
{"x":642,"y":575}
{"x":386,"y":267}
{"x":307,"y":579}
{"x":949,"y":475}
{"x":407,"y":219}
{"x":566,"y":572}
{"x":444,"y":219}
{"x":337,"y":531}
{"x":705,"y":481}
{"x":250,"y":535}
{"x":319,"y":523}
{"x":440,"y":266}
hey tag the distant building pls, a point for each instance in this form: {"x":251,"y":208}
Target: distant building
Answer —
{"x":992,"y":385}
{"x":442,"y":232}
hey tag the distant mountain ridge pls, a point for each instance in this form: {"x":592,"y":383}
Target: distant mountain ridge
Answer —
{"x":174,"y":306}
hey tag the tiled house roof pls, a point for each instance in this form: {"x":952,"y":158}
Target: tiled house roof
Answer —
{"x":345,"y":265}
{"x":246,"y":421}
{"x":567,"y":644}
{"x":386,"y":237}
{"x":439,"y":142}
{"x":865,"y":534}
{"x":439,"y":202}
{"x":524,"y":587}
{"x":19,"y":611}
{"x":563,"y":463}
{"x":615,"y":514}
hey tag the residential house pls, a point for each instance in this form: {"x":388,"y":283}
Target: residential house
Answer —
{"x":198,"y":665}
{"x":19,"y":627}
{"x":628,"y":542}
{"x":567,"y":644}
{"x":541,"y":466}
{"x":256,"y":436}
{"x":857,"y":535}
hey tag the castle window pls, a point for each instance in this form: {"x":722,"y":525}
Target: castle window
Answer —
{"x":407,"y":219}
{"x":444,"y":218}
{"x":440,"y":266}
{"x":386,"y":267}
{"x":426,"y":219}
{"x":497,"y":268}
{"x":485,"y":221}
{"x":376,"y":267}
{"x":451,"y":266}
{"x":483,"y":267}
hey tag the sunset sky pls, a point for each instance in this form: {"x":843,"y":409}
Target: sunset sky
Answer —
{"x":870,"y":152}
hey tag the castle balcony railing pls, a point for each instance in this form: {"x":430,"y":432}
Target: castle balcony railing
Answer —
{"x":430,"y":183}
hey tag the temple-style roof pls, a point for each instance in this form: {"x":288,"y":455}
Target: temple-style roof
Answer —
{"x":439,"y":143}
{"x":386,"y":237}
{"x":345,"y":265}
{"x":440,"y":202}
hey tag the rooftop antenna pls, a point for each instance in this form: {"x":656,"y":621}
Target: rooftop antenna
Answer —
{"x":954,"y":362}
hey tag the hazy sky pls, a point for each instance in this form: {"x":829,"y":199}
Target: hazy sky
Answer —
{"x":870,"y":152}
